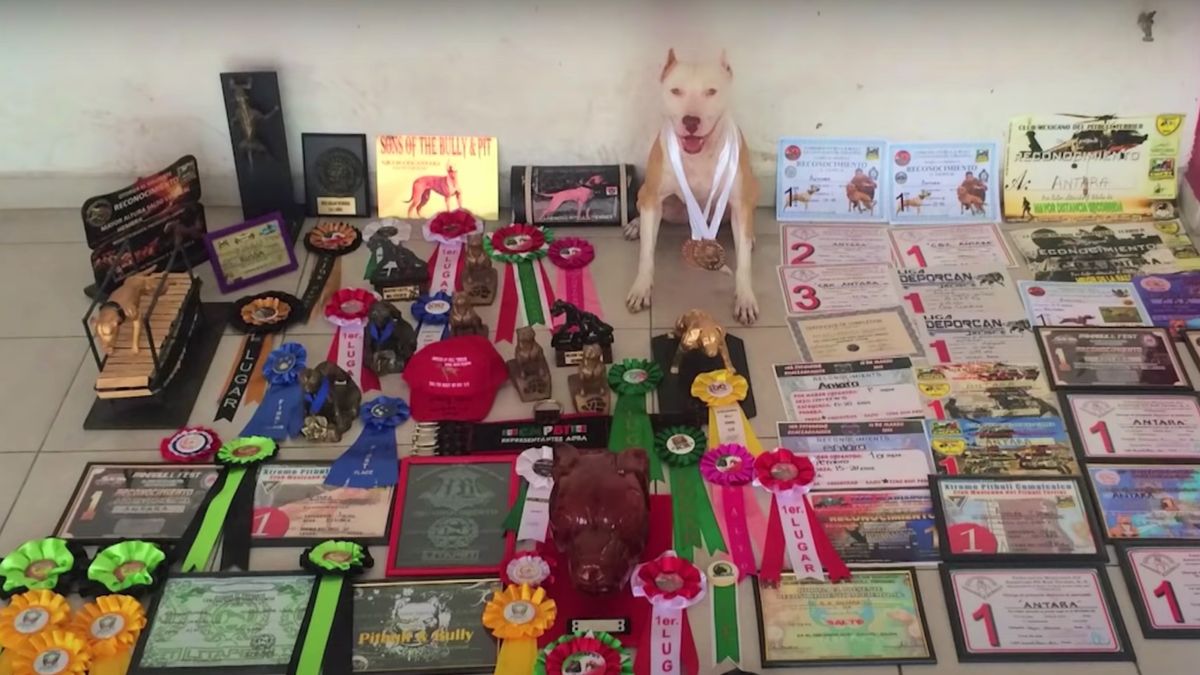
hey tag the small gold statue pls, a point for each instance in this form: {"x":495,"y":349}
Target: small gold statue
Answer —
{"x":697,"y":330}
{"x":479,"y":277}
{"x":529,"y":370}
{"x":463,"y":319}
{"x":589,"y":387}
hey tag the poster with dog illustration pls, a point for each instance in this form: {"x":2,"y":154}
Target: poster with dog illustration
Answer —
{"x":932,"y":183}
{"x":420,"y":176}
{"x":831,"y":180}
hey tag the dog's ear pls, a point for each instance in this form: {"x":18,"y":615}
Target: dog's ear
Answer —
{"x":671,"y":61}
{"x":725,"y":64}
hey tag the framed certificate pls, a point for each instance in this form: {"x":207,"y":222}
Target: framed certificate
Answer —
{"x":1134,"y":425}
{"x":294,"y":507}
{"x":243,"y":624}
{"x":878,"y":526}
{"x":449,"y":516}
{"x":247,"y":253}
{"x":866,"y":455}
{"x":1014,"y":519}
{"x":985,"y":389}
{"x":335,"y":175}
{"x":152,"y":502}
{"x":1002,"y":446}
{"x":1148,"y":501}
{"x":861,"y":334}
{"x":1031,"y":613}
{"x":1066,"y":303}
{"x":875,"y":618}
{"x":1111,"y":358}
{"x":422,"y":627}
{"x":1192,"y":339}
{"x":1164,"y":582}
{"x":846,"y":391}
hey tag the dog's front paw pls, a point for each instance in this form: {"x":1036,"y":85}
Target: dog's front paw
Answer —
{"x":745,"y":306}
{"x":633,"y":229}
{"x":639,"y":294}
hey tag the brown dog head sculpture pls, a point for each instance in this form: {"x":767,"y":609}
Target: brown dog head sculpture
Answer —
{"x":600,"y":514}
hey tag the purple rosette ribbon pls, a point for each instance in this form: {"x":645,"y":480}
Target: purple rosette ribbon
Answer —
{"x":729,"y":468}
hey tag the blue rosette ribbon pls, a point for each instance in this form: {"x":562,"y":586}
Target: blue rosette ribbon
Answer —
{"x":372,"y":461}
{"x":281,"y":413}
{"x":432,"y":314}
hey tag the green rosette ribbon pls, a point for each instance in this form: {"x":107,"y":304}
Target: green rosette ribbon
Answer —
{"x":590,"y":652}
{"x":240,"y":457}
{"x":126,"y":566}
{"x":37,"y":565}
{"x":521,"y":246}
{"x":695,"y":524}
{"x":332,"y":561}
{"x":632,"y":379}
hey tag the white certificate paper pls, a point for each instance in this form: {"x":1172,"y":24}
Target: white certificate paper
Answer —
{"x":849,"y":391}
{"x":837,"y":288}
{"x":831,"y":180}
{"x":834,"y":245}
{"x":959,"y":288}
{"x":943,"y":183}
{"x":862,"y":455}
{"x":980,"y":244}
{"x":1066,"y":303}
{"x":1137,"y":426}
{"x":952,"y":337}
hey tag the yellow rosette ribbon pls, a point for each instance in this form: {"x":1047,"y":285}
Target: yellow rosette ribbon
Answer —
{"x":27,"y":616}
{"x":518,"y":615}
{"x":722,"y":391}
{"x":111,"y":625}
{"x":54,"y":651}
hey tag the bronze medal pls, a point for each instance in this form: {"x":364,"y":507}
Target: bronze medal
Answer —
{"x":704,"y":253}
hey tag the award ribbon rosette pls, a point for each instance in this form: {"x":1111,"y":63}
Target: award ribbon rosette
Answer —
{"x":723,"y":577}
{"x":592,"y":653}
{"x":41,"y":565}
{"x":522,"y":247}
{"x":632,"y":379}
{"x":529,"y":568}
{"x":110,"y":625}
{"x":793,"y":525}
{"x":240,"y":458}
{"x":259,"y":317}
{"x":333,"y":561}
{"x":281,"y":414}
{"x":722,"y":391}
{"x":189,"y":445}
{"x":347,"y":309}
{"x":670,"y":584}
{"x":372,"y":460}
{"x":327,"y":242}
{"x":530,"y":515}
{"x":448,"y":230}
{"x":29,"y":615}
{"x":681,"y":448}
{"x":729,"y":468}
{"x":432,"y":314}
{"x":572,"y":255}
{"x":127,"y":567}
{"x":518,"y":616}
{"x":62,"y":652}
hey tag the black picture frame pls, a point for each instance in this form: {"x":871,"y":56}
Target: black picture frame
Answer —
{"x":274,"y":669}
{"x":919,"y":604}
{"x":1098,"y":506}
{"x":935,"y":493}
{"x":1076,"y":433}
{"x":285,"y":542}
{"x":315,"y":149}
{"x":1130,"y":574}
{"x":1052,"y":375}
{"x":1191,"y":339}
{"x":1106,"y":594}
{"x":83,"y":482}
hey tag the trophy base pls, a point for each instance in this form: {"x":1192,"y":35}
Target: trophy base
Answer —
{"x":589,"y":404}
{"x":571,"y":357}
{"x":484,"y":293}
{"x":528,"y":391}
{"x":674,"y":394}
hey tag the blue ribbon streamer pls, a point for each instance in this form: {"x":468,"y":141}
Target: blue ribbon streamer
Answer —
{"x":317,"y":401}
{"x":280,"y":416}
{"x":382,"y":336}
{"x":372,"y":460}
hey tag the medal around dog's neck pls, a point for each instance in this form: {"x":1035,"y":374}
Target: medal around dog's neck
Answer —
{"x":706,"y":222}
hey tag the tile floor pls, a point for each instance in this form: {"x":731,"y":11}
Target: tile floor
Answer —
{"x":49,"y":376}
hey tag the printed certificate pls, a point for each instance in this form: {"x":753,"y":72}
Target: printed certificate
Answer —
{"x":1164,"y":582}
{"x":867,"y":334}
{"x":1173,"y":300}
{"x":996,"y":446}
{"x":1034,"y":614}
{"x":957,"y":289}
{"x":831,"y":180}
{"x":984,"y":389}
{"x":878,"y":526}
{"x":848,"y":391}
{"x":1135,"y":426}
{"x":874,"y":618}
{"x":834,"y":245}
{"x":854,"y":455}
{"x":1111,"y":252}
{"x":943,"y":183}
{"x":292,"y":502}
{"x":1002,"y":335}
{"x":1148,"y":501}
{"x":951,"y":245}
{"x":837,"y":288}
{"x":1111,"y":358}
{"x":1014,"y":519}
{"x":1063,"y":303}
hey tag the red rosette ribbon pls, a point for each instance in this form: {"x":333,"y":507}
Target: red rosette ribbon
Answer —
{"x":347,"y":309}
{"x":518,"y":239}
{"x":670,"y":584}
{"x":571,"y":257}
{"x":793,"y":526}
{"x":448,"y":230}
{"x":526,"y":286}
{"x":601,"y":654}
{"x":190,"y":445}
{"x":571,"y":252}
{"x":449,"y":226}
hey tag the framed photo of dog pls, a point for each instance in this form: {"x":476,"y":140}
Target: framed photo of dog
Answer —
{"x":418,"y":176}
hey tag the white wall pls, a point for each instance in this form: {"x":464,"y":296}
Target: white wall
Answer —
{"x":94,"y":92}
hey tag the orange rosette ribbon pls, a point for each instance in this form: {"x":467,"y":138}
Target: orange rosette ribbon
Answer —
{"x":111,"y":625}
{"x":61,"y":652}
{"x":28,"y":615}
{"x":518,"y":615}
{"x":722,"y":391}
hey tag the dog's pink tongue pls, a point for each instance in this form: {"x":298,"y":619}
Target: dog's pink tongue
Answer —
{"x":692,"y":144}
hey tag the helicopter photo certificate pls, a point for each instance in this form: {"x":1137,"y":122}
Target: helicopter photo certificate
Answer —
{"x":1064,"y":303}
{"x":979,"y":244}
{"x":831,"y":180}
{"x":943,"y":183}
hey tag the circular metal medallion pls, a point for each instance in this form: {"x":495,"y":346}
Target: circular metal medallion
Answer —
{"x":339,"y":171}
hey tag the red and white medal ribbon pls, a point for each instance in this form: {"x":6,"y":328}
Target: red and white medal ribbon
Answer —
{"x":572,"y":256}
{"x":534,"y":466}
{"x":448,"y":230}
{"x":793,"y":527}
{"x":671,"y":585}
{"x":347,"y":309}
{"x":525,"y":294}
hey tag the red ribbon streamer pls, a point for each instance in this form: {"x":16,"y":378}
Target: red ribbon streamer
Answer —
{"x":773,"y":553}
{"x":506,"y":325}
{"x":370,"y":379}
{"x":458,"y":266}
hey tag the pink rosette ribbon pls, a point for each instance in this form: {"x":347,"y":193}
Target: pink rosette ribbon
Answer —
{"x":794,"y":527}
{"x":347,"y":309}
{"x":571,"y":256}
{"x":728,"y":469}
{"x":670,"y":584}
{"x":448,"y":230}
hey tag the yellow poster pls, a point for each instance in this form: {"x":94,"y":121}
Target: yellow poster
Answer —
{"x":1092,"y":167}
{"x":420,"y":176}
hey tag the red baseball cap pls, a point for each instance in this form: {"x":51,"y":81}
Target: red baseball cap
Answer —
{"x":455,"y":379}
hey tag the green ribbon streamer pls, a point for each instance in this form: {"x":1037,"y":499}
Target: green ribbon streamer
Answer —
{"x":209,"y":532}
{"x":312,"y":653}
{"x":370,"y":267}
{"x":696,"y":524}
{"x":529,"y":293}
{"x":512,"y":522}
{"x":725,"y":623}
{"x":631,"y":429}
